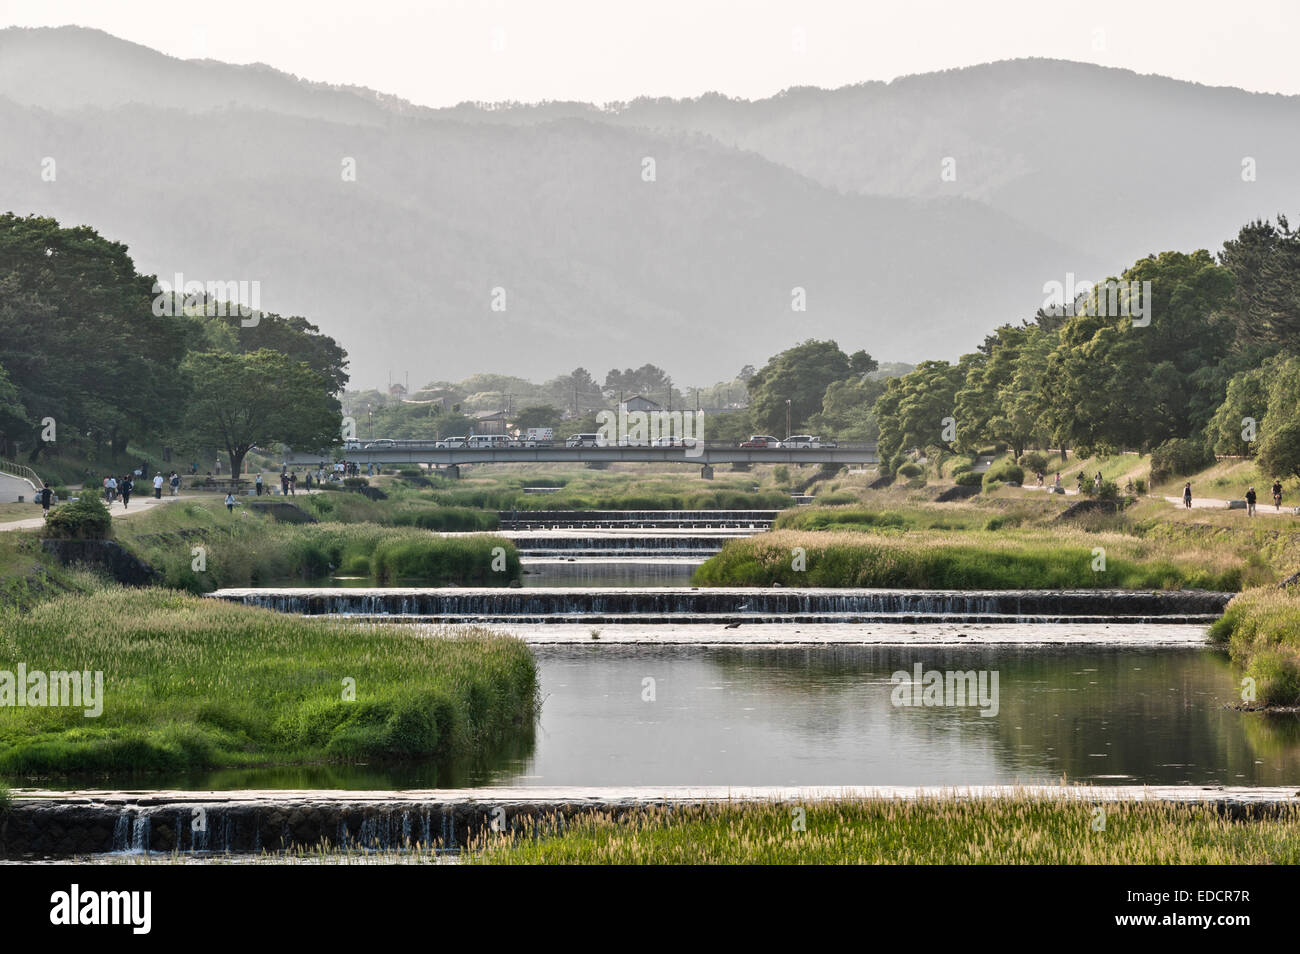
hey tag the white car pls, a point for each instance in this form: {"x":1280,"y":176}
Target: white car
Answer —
{"x":488,"y":441}
{"x":802,"y":442}
{"x":447,"y":443}
{"x":381,"y":444}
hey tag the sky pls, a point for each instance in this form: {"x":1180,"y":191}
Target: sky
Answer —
{"x":442,"y":52}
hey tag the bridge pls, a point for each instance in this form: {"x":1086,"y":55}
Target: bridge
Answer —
{"x":705,"y":455}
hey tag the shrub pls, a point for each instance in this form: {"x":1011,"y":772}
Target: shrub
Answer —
{"x":355,"y":483}
{"x":1179,"y":457}
{"x":969,"y":478}
{"x":1140,"y":485}
{"x":909,"y":470}
{"x":86,"y":518}
{"x":1033,"y":462}
{"x":1005,"y":471}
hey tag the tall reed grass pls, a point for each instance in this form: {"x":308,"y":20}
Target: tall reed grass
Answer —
{"x":190,"y":682}
{"x":1004,"y":559}
{"x":1028,"y":829}
{"x":1261,"y":630}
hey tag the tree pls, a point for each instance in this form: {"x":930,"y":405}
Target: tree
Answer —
{"x":537,"y":415}
{"x":292,"y":336}
{"x":78,"y":336}
{"x":1264,"y":260}
{"x":14,"y":420}
{"x":240,"y":401}
{"x":799,"y":375}
{"x":912,"y":411}
{"x":1116,"y":383}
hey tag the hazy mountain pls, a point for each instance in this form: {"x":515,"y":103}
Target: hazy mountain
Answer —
{"x":227,"y":172}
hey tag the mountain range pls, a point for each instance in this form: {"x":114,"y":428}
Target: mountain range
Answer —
{"x":225,"y":172}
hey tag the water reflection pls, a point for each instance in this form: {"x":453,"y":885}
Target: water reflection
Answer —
{"x":823,"y":716}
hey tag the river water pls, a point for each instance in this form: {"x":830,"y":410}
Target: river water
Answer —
{"x":638,"y":690}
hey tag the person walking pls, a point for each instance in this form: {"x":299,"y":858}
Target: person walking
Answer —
{"x":176,"y":484}
{"x":46,"y":495}
{"x":124,"y":488}
{"x":230,"y":503}
{"x":307,"y":481}
{"x":258,"y":484}
{"x":112,"y":488}
{"x":1187,"y":495}
{"x":108,"y":497}
{"x":293,"y":484}
{"x":284,"y":484}
{"x":1250,"y":502}
{"x":157,"y":485}
{"x":1277,"y":494}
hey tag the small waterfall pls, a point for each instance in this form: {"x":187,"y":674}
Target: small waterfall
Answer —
{"x":122,"y":831}
{"x":710,"y":604}
{"x":637,"y":519}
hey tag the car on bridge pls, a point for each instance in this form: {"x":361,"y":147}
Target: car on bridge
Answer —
{"x":584,"y":440}
{"x":447,"y":443}
{"x":667,"y":441}
{"x":805,"y":442}
{"x":383,"y":443}
{"x":489,"y":441}
{"x":761,"y":440}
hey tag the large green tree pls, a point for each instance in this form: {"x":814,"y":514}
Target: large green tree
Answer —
{"x":241,"y":401}
{"x":914,"y":411}
{"x":79,"y":339}
{"x":1116,"y":382}
{"x":799,"y":375}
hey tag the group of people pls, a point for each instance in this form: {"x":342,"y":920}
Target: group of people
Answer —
{"x":1251,"y":497}
{"x":288,"y":483}
{"x":121,"y":488}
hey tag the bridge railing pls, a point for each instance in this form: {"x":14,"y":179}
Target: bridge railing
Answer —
{"x":525,"y":444}
{"x":22,"y":471}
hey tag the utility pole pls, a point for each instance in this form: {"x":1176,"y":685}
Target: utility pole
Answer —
{"x":787,"y":418}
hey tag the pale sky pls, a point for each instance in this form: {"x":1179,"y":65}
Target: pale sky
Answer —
{"x":442,"y":52}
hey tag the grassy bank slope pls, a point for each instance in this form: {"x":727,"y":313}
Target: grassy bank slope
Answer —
{"x":945,"y":832}
{"x":1006,"y":559}
{"x":243,"y":549}
{"x":192,"y":683}
{"x":1261,"y":630}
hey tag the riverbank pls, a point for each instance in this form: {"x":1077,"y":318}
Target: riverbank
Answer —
{"x":191,"y":683}
{"x":699,"y":824}
{"x":249,"y":548}
{"x":1261,"y":631}
{"x":1019,"y":829}
{"x":1064,"y":558}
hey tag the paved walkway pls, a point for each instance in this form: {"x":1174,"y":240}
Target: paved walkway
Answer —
{"x":1214,"y":503}
{"x":138,"y":505}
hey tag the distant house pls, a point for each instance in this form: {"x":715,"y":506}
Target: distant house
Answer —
{"x":639,"y":403}
{"x":491,"y":422}
{"x":397,"y":390}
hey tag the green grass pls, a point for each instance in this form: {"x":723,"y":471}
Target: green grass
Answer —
{"x":1005,"y":559}
{"x":196,"y":683}
{"x":1261,"y":631}
{"x":949,"y":831}
{"x":244,"y":549}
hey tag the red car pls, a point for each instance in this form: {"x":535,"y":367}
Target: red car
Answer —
{"x":761,"y":440}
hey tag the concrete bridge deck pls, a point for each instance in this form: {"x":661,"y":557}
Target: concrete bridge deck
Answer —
{"x":708,"y":455}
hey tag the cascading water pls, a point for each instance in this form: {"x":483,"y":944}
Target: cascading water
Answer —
{"x":711,"y":605}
